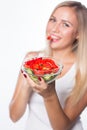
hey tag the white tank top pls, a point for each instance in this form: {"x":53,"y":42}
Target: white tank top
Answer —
{"x":37,"y":118}
{"x":64,"y":85}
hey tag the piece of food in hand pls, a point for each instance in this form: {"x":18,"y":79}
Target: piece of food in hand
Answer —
{"x":44,"y":67}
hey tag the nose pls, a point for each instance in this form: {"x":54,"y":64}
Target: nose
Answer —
{"x":56,"y":27}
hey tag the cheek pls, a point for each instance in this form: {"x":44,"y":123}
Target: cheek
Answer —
{"x":49,"y":27}
{"x":69,"y":34}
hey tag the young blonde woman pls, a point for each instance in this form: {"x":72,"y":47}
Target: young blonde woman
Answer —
{"x":58,"y":105}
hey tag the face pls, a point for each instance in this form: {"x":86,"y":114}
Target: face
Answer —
{"x":62,"y":28}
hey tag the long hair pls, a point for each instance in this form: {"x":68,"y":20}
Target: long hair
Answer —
{"x":80,"y":48}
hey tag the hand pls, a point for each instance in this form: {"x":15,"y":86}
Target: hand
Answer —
{"x":46,"y":90}
{"x":42,"y":88}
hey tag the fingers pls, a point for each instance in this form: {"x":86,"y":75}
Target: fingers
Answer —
{"x":37,"y":87}
{"x":24,"y":74}
{"x":28,"y":79}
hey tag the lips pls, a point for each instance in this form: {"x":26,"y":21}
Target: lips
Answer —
{"x":53,"y":38}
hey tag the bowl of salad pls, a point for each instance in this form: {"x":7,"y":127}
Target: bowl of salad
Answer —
{"x":45,"y":67}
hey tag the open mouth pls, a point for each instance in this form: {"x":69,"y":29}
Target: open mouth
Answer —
{"x":53,"y":38}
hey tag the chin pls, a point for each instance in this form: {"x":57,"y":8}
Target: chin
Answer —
{"x":54,"y":46}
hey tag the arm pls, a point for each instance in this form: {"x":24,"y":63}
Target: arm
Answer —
{"x":63,"y":119}
{"x":20,"y":98}
{"x":57,"y":117}
{"x":21,"y":95}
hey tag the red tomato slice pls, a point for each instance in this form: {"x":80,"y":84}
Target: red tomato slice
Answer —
{"x":38,"y":72}
{"x":41,"y":66}
{"x":51,"y":63}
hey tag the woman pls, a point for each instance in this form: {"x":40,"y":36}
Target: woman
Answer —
{"x":58,"y":105}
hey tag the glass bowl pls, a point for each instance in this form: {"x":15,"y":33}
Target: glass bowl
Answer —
{"x":45,"y":67}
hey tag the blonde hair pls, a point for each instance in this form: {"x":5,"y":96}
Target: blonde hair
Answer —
{"x":80,"y":47}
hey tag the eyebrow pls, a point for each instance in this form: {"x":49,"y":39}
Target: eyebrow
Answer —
{"x":52,"y":16}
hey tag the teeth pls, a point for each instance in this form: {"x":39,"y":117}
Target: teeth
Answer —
{"x":54,"y":37}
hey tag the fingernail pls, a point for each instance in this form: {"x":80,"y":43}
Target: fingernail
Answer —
{"x":39,"y":78}
{"x":25,"y":75}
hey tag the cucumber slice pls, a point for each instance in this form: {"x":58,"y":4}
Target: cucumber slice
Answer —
{"x":34,"y":78}
{"x":48,"y":77}
{"x":29,"y":71}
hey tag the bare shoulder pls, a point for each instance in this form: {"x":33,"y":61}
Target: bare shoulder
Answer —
{"x":33,"y":53}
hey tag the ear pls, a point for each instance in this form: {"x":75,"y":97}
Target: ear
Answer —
{"x":77,"y":35}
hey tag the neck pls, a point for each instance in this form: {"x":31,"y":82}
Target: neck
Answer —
{"x":64,"y":56}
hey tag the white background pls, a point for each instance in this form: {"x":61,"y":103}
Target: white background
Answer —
{"x":22,"y":29}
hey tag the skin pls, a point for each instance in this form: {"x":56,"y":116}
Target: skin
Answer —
{"x":63,"y":36}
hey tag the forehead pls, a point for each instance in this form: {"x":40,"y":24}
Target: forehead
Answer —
{"x":66,"y":13}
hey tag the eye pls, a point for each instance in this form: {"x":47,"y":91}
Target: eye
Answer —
{"x":66,"y":25}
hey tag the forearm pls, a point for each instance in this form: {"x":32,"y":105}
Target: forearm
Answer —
{"x":57,"y":117}
{"x":19,"y":102}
